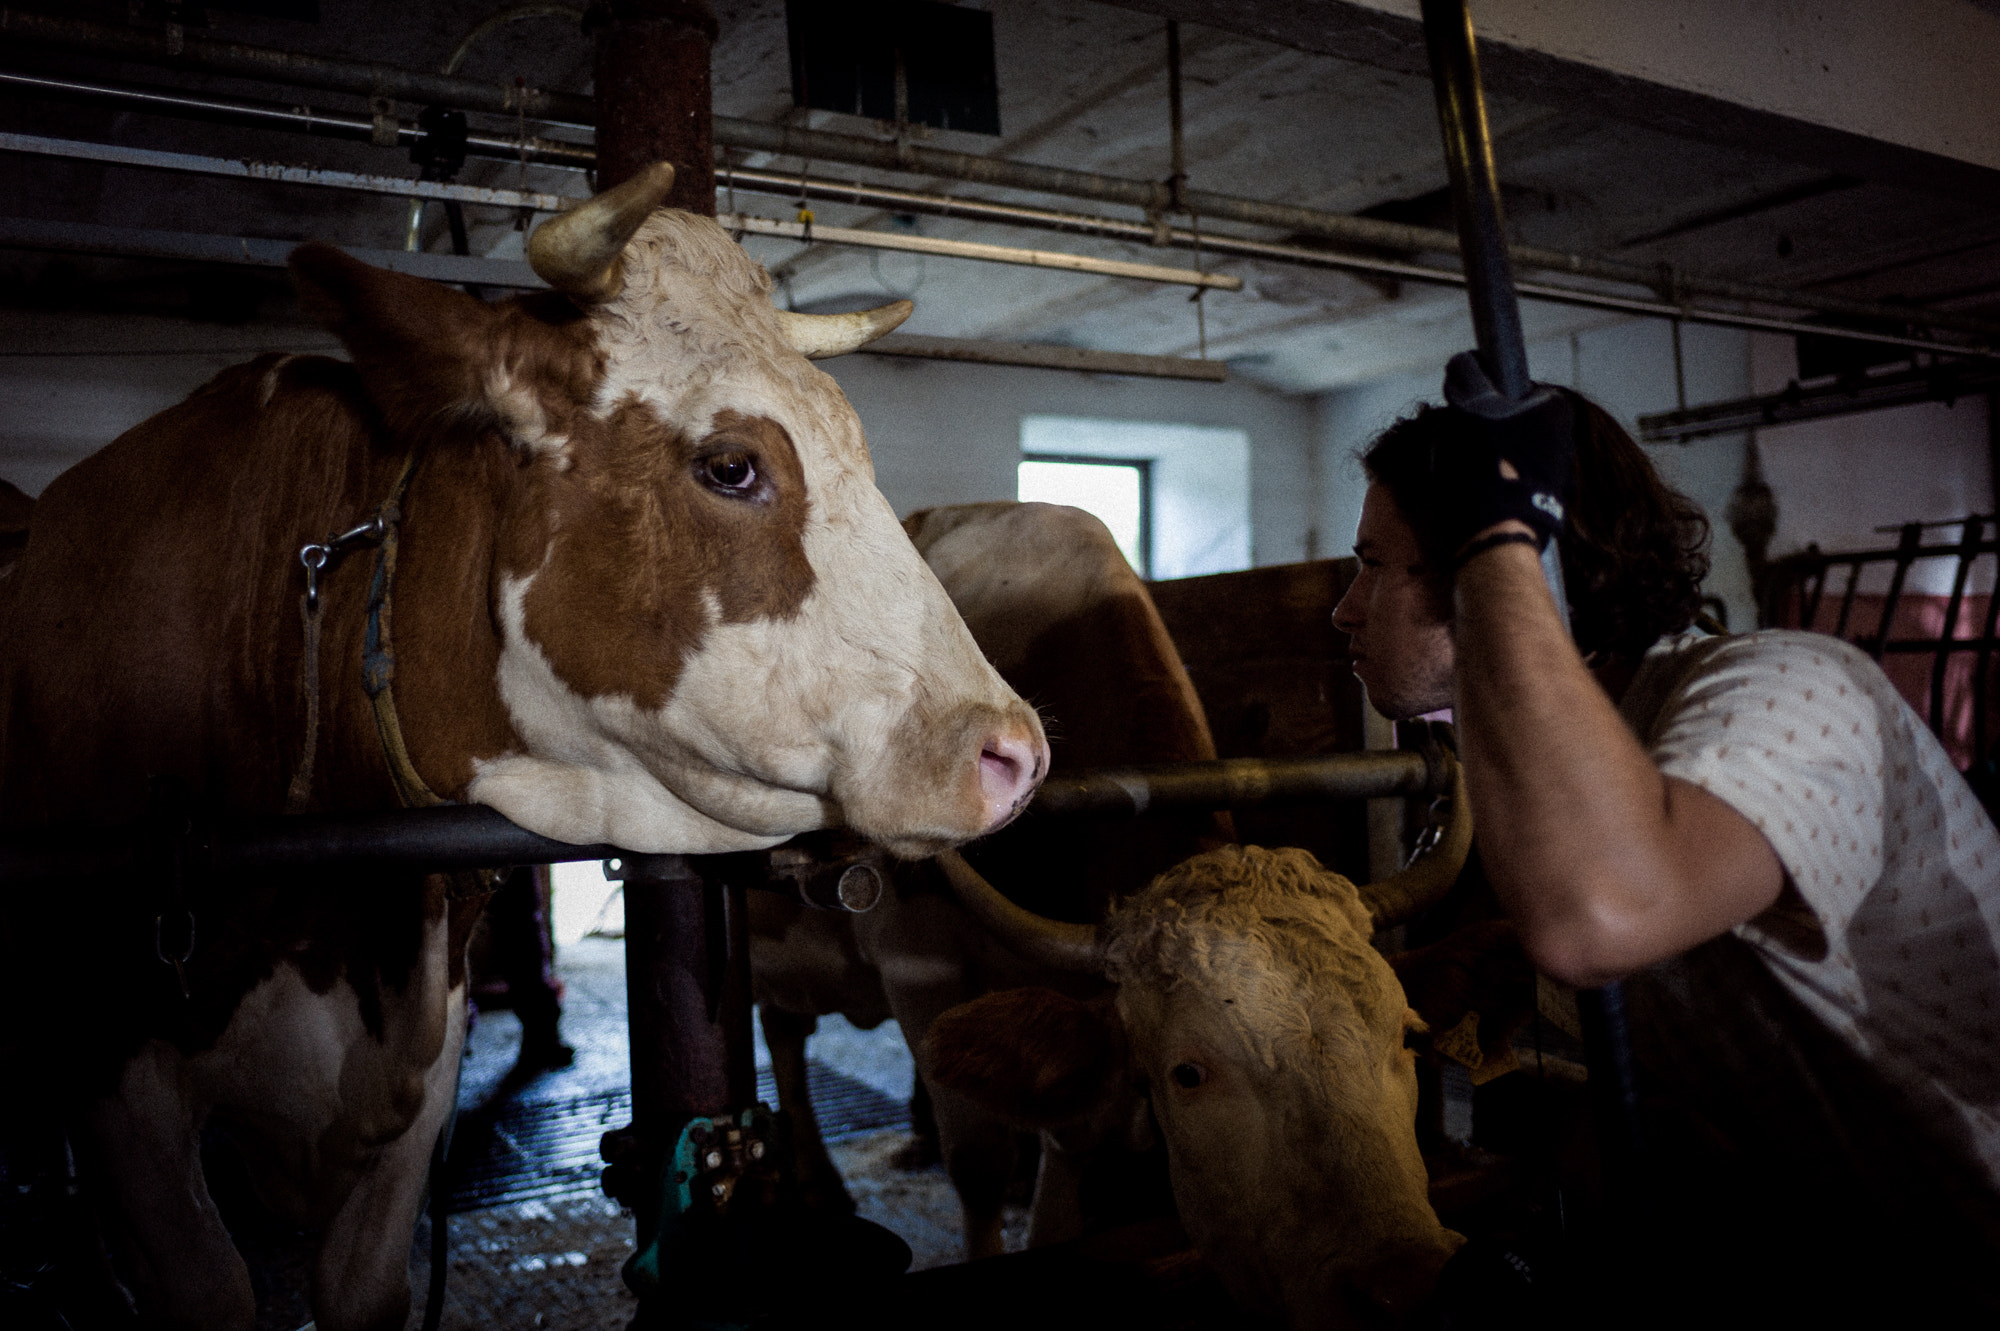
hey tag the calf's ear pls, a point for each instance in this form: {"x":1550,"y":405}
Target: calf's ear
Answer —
{"x":1034,"y":1056}
{"x":436,"y":361}
{"x":1473,"y":989}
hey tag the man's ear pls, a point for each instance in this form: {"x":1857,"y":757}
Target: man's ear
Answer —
{"x":436,"y":361}
{"x":1034,"y":1056}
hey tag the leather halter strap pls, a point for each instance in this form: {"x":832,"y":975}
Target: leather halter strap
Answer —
{"x":383,"y":529}
{"x":378,"y":656}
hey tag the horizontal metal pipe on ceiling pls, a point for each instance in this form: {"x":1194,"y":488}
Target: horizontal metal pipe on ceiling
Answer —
{"x":403,"y":187}
{"x":1044,"y":356}
{"x":300,"y":120}
{"x":473,"y":836}
{"x":365,"y":79}
{"x":855,"y":192}
{"x":1847,"y":396}
{"x":809,"y":234}
{"x":90,"y":238}
{"x":31,"y":233}
{"x":245,"y":169}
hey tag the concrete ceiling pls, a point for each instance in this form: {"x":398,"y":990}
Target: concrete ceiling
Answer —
{"x":1644,"y":172}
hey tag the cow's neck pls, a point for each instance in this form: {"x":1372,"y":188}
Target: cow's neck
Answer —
{"x":460,"y":508}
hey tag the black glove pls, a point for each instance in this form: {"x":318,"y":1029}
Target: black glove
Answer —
{"x":1536,"y":435}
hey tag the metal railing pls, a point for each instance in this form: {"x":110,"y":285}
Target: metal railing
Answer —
{"x":1797,"y":585}
{"x":471,"y":836}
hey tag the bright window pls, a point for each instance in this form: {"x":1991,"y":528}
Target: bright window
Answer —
{"x":1195,"y":513}
{"x":1114,"y":490}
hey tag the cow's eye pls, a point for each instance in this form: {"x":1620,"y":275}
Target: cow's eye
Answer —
{"x":1187,"y":1076}
{"x":730,"y":472}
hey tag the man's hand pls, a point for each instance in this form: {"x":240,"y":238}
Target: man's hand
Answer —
{"x":1506,"y":459}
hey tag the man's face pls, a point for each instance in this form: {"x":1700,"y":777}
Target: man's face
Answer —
{"x":1401,"y":646}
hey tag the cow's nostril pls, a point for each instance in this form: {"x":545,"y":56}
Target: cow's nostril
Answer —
{"x":1004,"y":766}
{"x":1010,"y":767}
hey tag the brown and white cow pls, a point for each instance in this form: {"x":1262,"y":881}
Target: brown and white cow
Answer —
{"x":1273,"y":1041}
{"x":1061,"y":614}
{"x":646,"y":593}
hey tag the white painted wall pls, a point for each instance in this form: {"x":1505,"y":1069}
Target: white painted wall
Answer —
{"x":947,"y":433}
{"x":70,"y":384}
{"x":1838,"y":480}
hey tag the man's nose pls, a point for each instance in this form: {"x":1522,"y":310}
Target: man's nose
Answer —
{"x":1346,"y":613}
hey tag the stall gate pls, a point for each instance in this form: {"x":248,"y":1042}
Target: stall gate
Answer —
{"x":1938,"y":650}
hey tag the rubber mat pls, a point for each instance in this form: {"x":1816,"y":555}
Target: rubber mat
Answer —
{"x":513,"y":1151}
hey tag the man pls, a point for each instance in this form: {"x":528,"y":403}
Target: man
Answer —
{"x":1762,"y":814}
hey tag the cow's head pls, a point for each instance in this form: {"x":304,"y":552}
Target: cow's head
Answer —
{"x":714,"y":634}
{"x":1272,"y":1039}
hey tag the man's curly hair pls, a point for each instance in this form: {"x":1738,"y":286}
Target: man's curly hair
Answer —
{"x":1635,"y":551}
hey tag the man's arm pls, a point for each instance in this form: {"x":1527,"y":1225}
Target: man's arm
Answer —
{"x":1605,"y":864}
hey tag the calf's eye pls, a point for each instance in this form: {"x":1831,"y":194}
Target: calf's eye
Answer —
{"x":1187,"y":1076}
{"x":735,"y":472}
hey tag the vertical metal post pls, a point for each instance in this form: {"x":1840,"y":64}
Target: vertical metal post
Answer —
{"x":653,"y":94}
{"x":1482,"y":231}
{"x":1475,"y":195}
{"x":687,"y":978}
{"x":1496,"y":322}
{"x":1177,"y":145}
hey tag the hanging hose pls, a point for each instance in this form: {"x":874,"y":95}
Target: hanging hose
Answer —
{"x":499,"y":18}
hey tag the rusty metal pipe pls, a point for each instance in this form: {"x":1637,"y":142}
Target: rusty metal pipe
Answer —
{"x":472,"y":836}
{"x":687,"y":953}
{"x":1237,"y":783}
{"x":367,"y":80}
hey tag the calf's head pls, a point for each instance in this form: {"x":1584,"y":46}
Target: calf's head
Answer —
{"x":1272,"y":1040}
{"x":714,"y":633}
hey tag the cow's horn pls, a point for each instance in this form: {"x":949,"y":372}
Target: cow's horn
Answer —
{"x":1402,"y":896}
{"x":1045,"y":942}
{"x":818,"y":336}
{"x":580,"y":252}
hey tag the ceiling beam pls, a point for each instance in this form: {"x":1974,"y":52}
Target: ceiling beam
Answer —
{"x":1905,"y":94}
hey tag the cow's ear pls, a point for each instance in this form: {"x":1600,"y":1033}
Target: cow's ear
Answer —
{"x":1034,"y":1056}
{"x":435,"y":360}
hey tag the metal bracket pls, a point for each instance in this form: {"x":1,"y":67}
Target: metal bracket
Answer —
{"x":386,"y":131}
{"x":716,"y":1163}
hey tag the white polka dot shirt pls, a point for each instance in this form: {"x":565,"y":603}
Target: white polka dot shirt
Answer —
{"x":1892,"y":933}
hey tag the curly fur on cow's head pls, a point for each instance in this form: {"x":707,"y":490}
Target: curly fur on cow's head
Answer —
{"x":1272,"y":1036}
{"x":1280,"y":943}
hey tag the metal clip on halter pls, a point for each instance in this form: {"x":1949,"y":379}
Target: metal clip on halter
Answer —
{"x":316,"y":557}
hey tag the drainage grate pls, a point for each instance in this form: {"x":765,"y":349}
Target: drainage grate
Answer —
{"x":515,"y":1151}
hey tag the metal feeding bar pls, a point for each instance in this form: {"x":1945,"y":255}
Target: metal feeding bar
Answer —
{"x":1235,"y":783}
{"x":473,"y":836}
